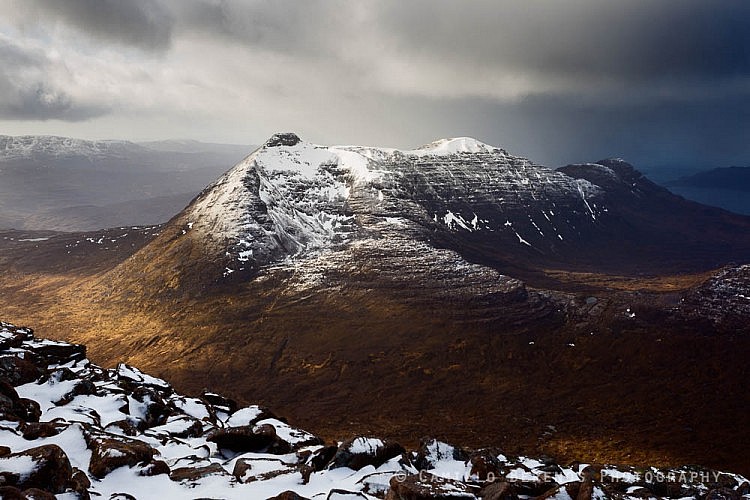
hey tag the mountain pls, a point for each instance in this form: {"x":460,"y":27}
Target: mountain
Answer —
{"x":294,"y":200}
{"x":60,"y":183}
{"x":735,"y":178}
{"x":453,"y":289}
{"x":721,"y":187}
{"x":75,"y":429}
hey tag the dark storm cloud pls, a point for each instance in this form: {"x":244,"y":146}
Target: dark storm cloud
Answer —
{"x":141,"y":23}
{"x":632,"y":40}
{"x":310,"y":28}
{"x":25,"y":93}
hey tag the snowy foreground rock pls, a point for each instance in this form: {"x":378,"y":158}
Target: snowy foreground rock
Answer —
{"x":70,"y":429}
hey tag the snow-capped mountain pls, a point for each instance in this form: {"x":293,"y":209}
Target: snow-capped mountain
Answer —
{"x":294,"y":200}
{"x":35,"y":146}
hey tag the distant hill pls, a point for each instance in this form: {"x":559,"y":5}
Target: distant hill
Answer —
{"x":66,"y":184}
{"x":735,"y":178}
{"x":725,"y":188}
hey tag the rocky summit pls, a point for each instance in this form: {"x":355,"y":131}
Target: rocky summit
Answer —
{"x":71,"y":429}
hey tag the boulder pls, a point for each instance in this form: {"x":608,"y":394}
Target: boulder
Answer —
{"x":18,"y":371}
{"x":125,"y":427}
{"x":431,"y":451}
{"x":248,"y":470}
{"x":195,"y":473}
{"x":36,"y":430}
{"x":156,"y":410}
{"x":28,"y":410}
{"x":81,"y":388}
{"x":241,"y":468}
{"x":11,"y":493}
{"x":288,"y":495}
{"x":586,"y":489}
{"x":58,"y":353}
{"x":190,"y":427}
{"x":37,"y":494}
{"x":320,"y":459}
{"x":425,"y":486}
{"x":79,"y":481}
{"x":499,"y":491}
{"x":155,"y":468}
{"x":339,"y":494}
{"x":11,"y":339}
{"x":569,"y":490}
{"x":130,"y":378}
{"x":248,"y":438}
{"x":46,"y":467}
{"x":484,"y":466}
{"x":221,"y":403}
{"x":722,"y":494}
{"x":109,"y":453}
{"x":363,"y":451}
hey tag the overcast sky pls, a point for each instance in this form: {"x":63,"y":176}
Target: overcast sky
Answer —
{"x":653,"y":81}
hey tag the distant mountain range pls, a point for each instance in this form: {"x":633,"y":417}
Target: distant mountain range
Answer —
{"x":60,"y":183}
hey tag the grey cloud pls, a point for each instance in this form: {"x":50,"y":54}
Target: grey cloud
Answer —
{"x":145,"y":24}
{"x":26,"y":93}
{"x":309,"y":28}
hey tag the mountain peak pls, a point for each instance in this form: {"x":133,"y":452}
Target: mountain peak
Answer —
{"x":282,"y":139}
{"x":456,"y":145}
